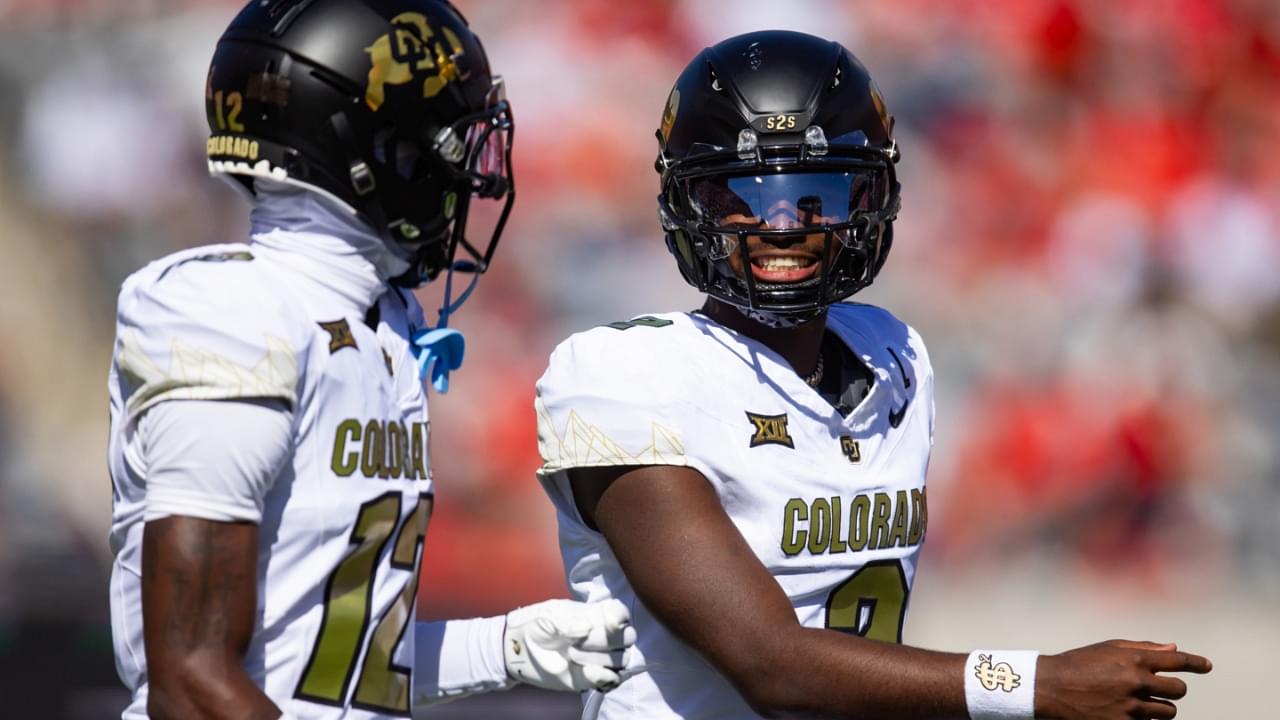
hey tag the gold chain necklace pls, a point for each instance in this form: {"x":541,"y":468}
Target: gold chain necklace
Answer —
{"x":815,"y":377}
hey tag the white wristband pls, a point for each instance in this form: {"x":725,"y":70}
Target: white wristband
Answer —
{"x":456,"y":658}
{"x":1001,"y":684}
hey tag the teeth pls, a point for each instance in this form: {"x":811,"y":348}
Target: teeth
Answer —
{"x":783,"y":263}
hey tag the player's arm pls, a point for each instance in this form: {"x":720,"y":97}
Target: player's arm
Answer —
{"x":208,"y":467}
{"x":690,"y":566}
{"x":199,"y":599}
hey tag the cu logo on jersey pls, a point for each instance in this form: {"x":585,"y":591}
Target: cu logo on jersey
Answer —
{"x":851,"y":449}
{"x":410,"y":50}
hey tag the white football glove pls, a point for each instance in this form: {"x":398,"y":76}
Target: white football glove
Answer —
{"x":567,"y":645}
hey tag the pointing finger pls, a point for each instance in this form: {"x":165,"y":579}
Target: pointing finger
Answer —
{"x":1165,"y":661}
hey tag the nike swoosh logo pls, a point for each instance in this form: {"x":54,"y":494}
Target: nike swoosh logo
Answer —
{"x":906,"y":381}
{"x":895,"y":416}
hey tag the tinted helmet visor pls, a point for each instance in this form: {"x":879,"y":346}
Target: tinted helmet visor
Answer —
{"x":785,"y":201}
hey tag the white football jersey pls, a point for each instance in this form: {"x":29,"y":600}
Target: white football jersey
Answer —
{"x":834,"y":506}
{"x":342,"y":526}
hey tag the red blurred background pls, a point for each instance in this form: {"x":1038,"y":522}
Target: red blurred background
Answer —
{"x":1089,"y":243}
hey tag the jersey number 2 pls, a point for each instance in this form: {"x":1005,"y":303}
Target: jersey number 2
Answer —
{"x":872,"y":603}
{"x":383,"y":686}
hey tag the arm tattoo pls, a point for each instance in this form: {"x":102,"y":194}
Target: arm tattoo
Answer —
{"x":200,"y":606}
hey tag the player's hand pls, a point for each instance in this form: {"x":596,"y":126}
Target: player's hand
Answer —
{"x":1114,"y":680}
{"x":567,"y":645}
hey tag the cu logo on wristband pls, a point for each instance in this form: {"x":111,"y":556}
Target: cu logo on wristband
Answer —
{"x":999,"y":676}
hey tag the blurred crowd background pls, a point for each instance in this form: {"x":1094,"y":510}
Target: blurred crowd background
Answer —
{"x":1089,"y":243}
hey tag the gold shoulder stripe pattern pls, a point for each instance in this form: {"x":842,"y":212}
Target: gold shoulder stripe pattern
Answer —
{"x":582,"y":444}
{"x":198,"y":374}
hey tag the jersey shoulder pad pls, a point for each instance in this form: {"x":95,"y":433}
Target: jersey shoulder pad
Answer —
{"x":206,"y":324}
{"x":869,"y":318}
{"x":882,"y":327}
{"x":631,"y":357}
{"x":611,"y":396}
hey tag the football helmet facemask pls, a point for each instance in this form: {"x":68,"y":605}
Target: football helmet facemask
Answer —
{"x":387,"y":106}
{"x":778,"y":186}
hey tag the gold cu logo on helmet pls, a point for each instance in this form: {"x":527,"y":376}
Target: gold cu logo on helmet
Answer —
{"x":878,"y":100}
{"x":669,"y":115}
{"x":410,"y":49}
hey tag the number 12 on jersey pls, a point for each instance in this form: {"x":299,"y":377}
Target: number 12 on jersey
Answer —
{"x":383,"y":686}
{"x":872,"y":602}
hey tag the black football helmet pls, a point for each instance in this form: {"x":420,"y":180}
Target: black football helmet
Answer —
{"x":387,"y":106}
{"x":774,"y":140}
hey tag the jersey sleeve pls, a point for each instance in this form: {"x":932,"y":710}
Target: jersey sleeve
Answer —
{"x":607,"y":399}
{"x":213,"y":460}
{"x":204,"y":328}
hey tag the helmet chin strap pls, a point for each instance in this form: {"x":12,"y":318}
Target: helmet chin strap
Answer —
{"x":778,"y":320}
{"x":439,"y":350}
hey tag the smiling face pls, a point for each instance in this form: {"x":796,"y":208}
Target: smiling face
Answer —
{"x":793,"y":258}
{"x":786,"y":202}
